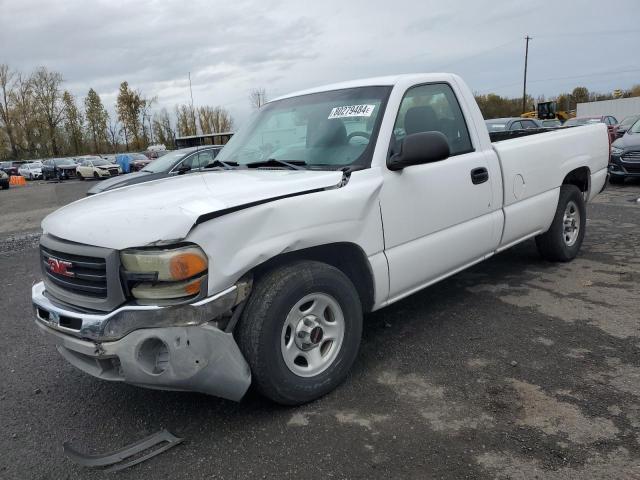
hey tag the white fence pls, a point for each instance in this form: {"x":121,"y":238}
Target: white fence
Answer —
{"x":619,"y":108}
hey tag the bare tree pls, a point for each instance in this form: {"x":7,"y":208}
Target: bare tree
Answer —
{"x":26,"y":118}
{"x":48,"y":101}
{"x":258,"y":97}
{"x":162,"y":128}
{"x":6,"y":89}
{"x":113,"y":130}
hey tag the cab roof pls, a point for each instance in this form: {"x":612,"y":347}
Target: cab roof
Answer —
{"x":391,"y":80}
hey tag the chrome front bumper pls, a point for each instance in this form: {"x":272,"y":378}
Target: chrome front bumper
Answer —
{"x":171,"y":348}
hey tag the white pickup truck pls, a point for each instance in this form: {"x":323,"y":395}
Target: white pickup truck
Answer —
{"x":328,"y":204}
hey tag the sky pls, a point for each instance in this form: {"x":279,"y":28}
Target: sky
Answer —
{"x":231,"y":48}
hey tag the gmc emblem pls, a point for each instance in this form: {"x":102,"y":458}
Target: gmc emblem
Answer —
{"x":60,"y":267}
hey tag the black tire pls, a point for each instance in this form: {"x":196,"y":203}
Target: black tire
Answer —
{"x":615,"y":180}
{"x":553,"y":245}
{"x":5,"y":186}
{"x":79,"y":175}
{"x":96,"y":176}
{"x":260,"y":330}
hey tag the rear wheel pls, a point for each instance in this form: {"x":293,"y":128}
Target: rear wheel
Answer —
{"x":300,"y":331}
{"x":562,"y":242}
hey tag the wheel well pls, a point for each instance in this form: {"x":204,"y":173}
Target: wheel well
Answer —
{"x":347,"y":257}
{"x":580,"y":177}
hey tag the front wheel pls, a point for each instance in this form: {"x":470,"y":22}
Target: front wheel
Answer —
{"x":300,"y":331}
{"x":563,"y":240}
{"x":79,"y":175}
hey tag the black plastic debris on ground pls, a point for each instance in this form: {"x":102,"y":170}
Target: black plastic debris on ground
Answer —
{"x":127,"y":456}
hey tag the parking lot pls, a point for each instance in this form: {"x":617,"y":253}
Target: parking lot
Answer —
{"x":516,"y":368}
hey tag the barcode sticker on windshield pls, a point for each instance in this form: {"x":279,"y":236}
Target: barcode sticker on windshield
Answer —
{"x":352,"y":111}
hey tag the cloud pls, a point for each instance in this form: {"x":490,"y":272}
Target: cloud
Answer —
{"x":232,"y":47}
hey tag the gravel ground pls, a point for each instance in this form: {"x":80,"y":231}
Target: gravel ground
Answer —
{"x":516,"y":368}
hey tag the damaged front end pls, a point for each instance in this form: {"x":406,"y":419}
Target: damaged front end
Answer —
{"x":175,"y":347}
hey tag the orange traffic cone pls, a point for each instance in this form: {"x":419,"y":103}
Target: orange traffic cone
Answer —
{"x":17,"y":181}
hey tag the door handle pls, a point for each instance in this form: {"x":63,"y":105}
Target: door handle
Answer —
{"x":479,"y":175}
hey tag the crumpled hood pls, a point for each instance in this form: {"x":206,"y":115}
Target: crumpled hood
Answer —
{"x":166,"y":210}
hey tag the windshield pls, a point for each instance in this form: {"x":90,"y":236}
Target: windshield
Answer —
{"x":59,"y":162}
{"x":635,"y":128}
{"x":165,"y":163}
{"x":496,"y":126}
{"x":572,"y":122}
{"x":326,"y":129}
{"x":628,"y":121}
{"x":98,"y":162}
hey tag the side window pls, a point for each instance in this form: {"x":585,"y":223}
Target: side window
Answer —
{"x":516,"y":126}
{"x":529,"y":124}
{"x":203,"y":159}
{"x":433,"y":107}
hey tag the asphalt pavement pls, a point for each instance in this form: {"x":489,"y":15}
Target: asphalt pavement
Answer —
{"x":516,"y":368}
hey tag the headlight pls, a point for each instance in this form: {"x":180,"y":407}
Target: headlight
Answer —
{"x":165,"y":274}
{"x":616,"y":151}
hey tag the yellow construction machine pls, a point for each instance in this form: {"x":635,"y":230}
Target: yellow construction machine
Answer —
{"x":548,"y":111}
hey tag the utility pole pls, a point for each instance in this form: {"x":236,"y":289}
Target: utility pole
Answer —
{"x":193,"y":112}
{"x":524,"y":90}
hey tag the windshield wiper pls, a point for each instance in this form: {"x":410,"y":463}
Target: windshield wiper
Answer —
{"x":220,"y":163}
{"x":291,"y":164}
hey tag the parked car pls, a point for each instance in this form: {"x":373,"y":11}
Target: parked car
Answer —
{"x":626,"y":124}
{"x":552,"y":123}
{"x":512,"y":123}
{"x":625,"y":156}
{"x":31,"y":171}
{"x":259,"y":270}
{"x":132,"y":162}
{"x":96,"y":167}
{"x":153,"y":154}
{"x":4,"y":180}
{"x":178,"y":162}
{"x":10,"y":168}
{"x":608,"y":120}
{"x":58,"y":168}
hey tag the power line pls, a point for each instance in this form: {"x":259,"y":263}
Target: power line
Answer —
{"x":476,"y":54}
{"x":583,"y":33}
{"x":587,"y":75}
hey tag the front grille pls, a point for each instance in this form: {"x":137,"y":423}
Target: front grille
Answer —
{"x":631,"y":157}
{"x":113,"y":171}
{"x":94,"y":283}
{"x":84,"y":275}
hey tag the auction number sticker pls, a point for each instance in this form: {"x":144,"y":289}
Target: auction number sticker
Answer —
{"x":352,"y":111}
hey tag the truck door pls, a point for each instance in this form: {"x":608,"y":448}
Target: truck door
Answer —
{"x":438,"y":217}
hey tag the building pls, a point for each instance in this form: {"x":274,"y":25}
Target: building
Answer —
{"x":205,"y":139}
{"x":619,"y":108}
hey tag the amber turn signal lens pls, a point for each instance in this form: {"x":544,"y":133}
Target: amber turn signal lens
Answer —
{"x":186,"y":265}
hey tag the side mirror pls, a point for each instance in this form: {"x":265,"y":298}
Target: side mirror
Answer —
{"x":419,"y":148}
{"x":184,"y":169}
